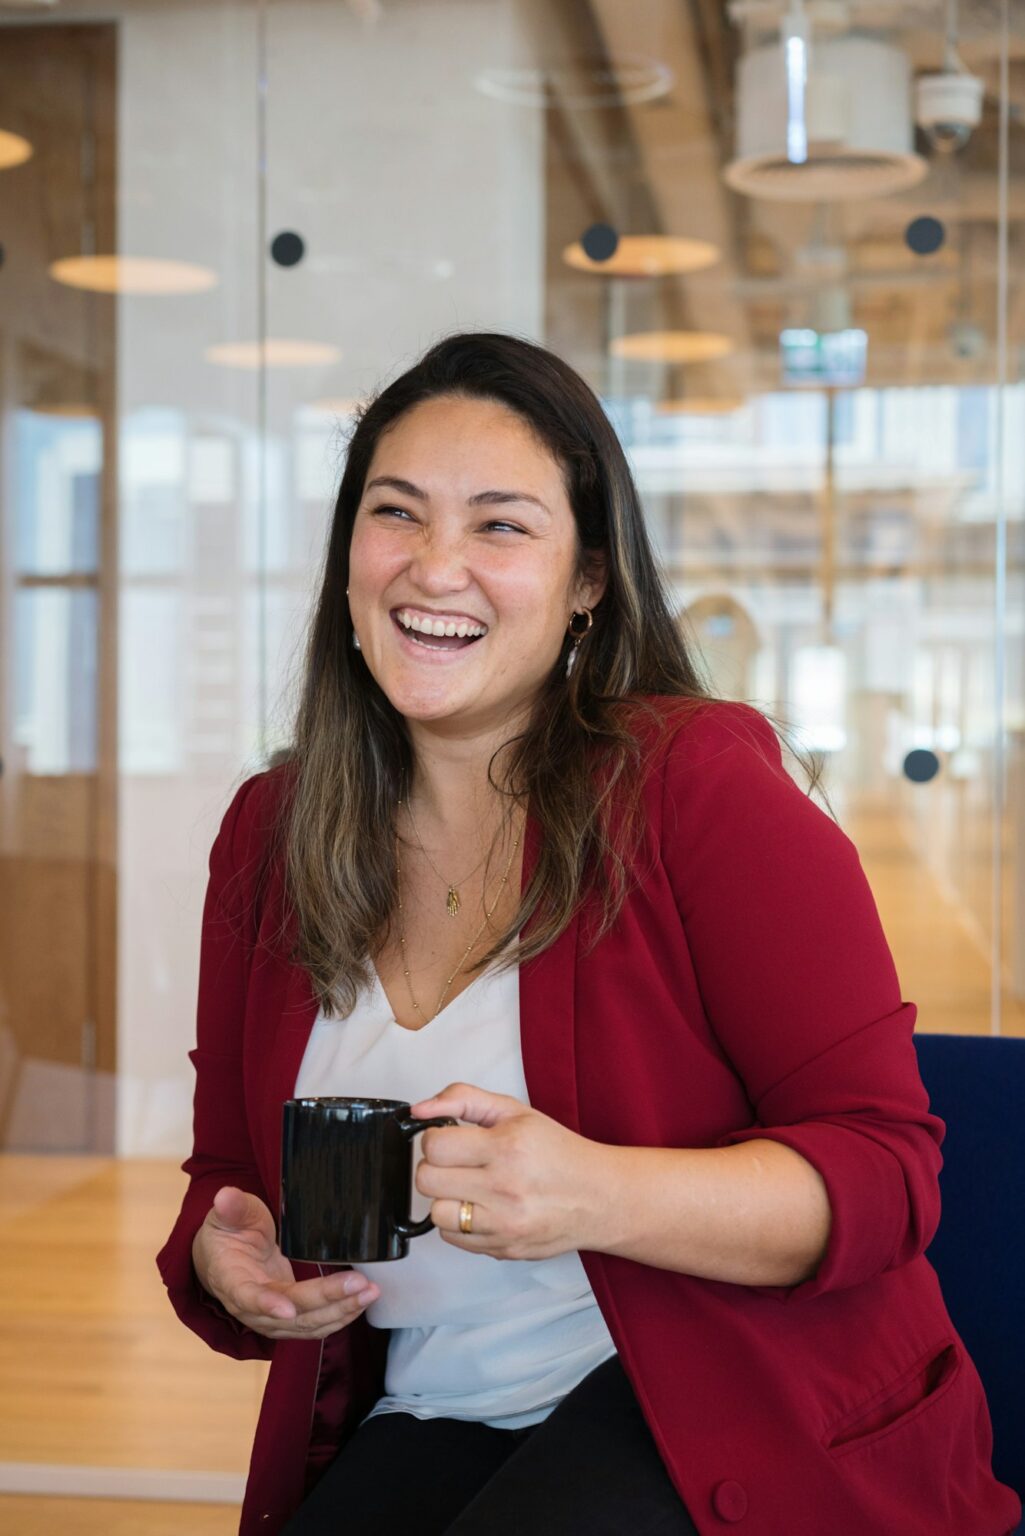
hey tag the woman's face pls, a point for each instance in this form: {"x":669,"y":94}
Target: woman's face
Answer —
{"x":464,"y":524}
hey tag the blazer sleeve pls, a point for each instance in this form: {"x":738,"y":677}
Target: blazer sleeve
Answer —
{"x":222,"y":1151}
{"x":801,"y":991}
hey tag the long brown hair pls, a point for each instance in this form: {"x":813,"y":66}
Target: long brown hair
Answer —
{"x":352,"y":754}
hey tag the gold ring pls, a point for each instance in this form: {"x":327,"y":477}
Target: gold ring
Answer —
{"x":466,"y":1216}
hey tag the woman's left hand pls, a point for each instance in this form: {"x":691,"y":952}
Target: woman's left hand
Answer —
{"x":537,"y":1188}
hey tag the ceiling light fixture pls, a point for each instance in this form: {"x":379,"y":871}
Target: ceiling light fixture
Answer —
{"x":646,"y":256}
{"x":795,"y":37}
{"x":701,"y":405}
{"x":132,"y":275}
{"x":672,"y":346}
{"x":580,"y":83}
{"x":336,"y":405}
{"x":823,"y":118}
{"x":14,"y":150}
{"x":71,"y":410}
{"x":271,"y":353}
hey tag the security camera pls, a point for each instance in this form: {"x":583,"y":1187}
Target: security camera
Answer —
{"x":947,"y":107}
{"x":966,"y":340}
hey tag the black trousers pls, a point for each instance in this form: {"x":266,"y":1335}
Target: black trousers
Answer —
{"x":590,"y":1469}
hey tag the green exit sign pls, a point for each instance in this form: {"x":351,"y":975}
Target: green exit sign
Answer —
{"x":822,"y":357}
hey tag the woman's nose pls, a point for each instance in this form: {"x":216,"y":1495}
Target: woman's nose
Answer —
{"x":439,"y":564}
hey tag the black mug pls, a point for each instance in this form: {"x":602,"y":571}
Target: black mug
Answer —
{"x":346,"y":1180}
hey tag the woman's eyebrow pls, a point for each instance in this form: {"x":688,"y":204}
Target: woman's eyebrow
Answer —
{"x":498,"y":498}
{"x":482,"y":498}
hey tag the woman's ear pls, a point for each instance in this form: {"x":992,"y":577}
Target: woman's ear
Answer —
{"x":593,"y":579}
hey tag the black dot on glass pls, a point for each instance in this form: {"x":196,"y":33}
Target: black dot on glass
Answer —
{"x":925,"y":235}
{"x":3,"y":255}
{"x":599,"y":242}
{"x":288,"y":248}
{"x":921,"y":765}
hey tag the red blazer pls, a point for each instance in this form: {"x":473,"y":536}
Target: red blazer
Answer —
{"x":746,"y":990}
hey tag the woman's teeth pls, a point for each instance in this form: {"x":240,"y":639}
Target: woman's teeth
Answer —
{"x":424,"y":626}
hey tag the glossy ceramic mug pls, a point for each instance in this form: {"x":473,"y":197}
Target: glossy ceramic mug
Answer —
{"x":347,"y":1179}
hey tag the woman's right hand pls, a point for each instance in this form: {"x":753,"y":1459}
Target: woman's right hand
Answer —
{"x":237,"y":1259}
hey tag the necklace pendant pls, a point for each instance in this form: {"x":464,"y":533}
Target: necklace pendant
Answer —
{"x":453,"y":903}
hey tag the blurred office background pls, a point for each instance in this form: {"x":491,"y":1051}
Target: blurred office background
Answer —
{"x":784,"y":244}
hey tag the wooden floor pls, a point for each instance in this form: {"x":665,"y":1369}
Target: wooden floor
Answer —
{"x":943,"y":959}
{"x":25,"y":1516}
{"x":96,"y":1371}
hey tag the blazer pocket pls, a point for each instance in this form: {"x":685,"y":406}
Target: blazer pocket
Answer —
{"x":898,"y":1403}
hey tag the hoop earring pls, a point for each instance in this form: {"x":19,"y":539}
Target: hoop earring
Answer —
{"x":578,"y":634}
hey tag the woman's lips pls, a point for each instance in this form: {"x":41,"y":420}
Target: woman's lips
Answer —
{"x":425,"y":622}
{"x":438,"y":645}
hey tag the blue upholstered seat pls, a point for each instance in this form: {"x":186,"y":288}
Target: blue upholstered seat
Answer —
{"x":976,"y":1083}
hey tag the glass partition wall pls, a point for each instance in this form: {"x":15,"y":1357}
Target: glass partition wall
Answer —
{"x":797,"y":295}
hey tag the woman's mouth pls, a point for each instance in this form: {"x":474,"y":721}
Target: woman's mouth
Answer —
{"x":437,"y":632}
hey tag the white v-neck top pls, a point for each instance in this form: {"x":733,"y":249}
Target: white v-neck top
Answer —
{"x":500,"y":1341}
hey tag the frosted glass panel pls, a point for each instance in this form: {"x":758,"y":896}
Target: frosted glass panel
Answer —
{"x":55,"y":680}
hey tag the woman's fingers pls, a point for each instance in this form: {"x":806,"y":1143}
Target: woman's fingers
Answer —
{"x":321,"y":1320}
{"x":250,"y":1286}
{"x":258,"y":1298}
{"x":322,"y":1290}
{"x":308,"y":1321}
{"x":301,"y":1300}
{"x":237,"y":1258}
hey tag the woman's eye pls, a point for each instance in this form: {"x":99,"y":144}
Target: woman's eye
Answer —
{"x":404,"y":515}
{"x":390,"y":512}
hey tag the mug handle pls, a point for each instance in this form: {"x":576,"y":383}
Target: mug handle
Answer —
{"x":409,"y":1129}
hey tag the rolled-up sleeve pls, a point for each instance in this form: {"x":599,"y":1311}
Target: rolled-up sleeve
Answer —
{"x":801,"y":991}
{"x":222,"y":1150}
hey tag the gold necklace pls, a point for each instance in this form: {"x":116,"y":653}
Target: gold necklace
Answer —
{"x":402,"y":937}
{"x":452,"y":901}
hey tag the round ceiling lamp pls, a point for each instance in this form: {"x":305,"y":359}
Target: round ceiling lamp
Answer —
{"x":646,"y":256}
{"x":857,"y":121}
{"x":272,"y":353}
{"x":340,"y":407}
{"x":672,"y":346}
{"x":132,"y":275}
{"x":585,"y":84}
{"x":702,"y":405}
{"x":70,"y":410}
{"x":14,"y":150}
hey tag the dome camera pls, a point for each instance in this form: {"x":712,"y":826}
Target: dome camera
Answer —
{"x":966,"y":339}
{"x":947,"y":107}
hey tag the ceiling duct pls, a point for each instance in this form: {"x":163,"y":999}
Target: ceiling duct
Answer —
{"x":857,"y":122}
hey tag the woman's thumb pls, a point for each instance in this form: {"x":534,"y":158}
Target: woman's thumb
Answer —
{"x":234,"y":1208}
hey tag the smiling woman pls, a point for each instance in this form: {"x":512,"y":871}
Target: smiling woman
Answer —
{"x":519,"y":849}
{"x":467,"y":734}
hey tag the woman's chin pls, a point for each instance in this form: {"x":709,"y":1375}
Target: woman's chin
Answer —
{"x":465,"y":713}
{"x":460,"y":701}
{"x":428,"y":704}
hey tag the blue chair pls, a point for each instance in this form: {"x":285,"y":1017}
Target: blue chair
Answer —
{"x":976,"y":1083}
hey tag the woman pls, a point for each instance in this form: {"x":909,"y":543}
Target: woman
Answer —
{"x":519,"y":849}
